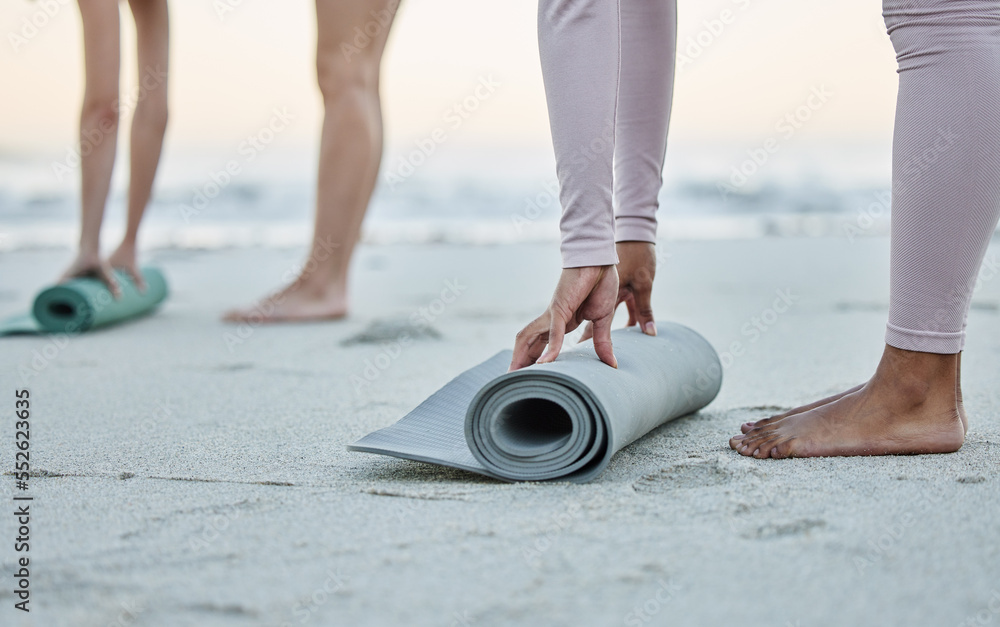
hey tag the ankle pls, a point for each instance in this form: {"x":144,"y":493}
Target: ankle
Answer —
{"x":319,"y":288}
{"x":89,"y":250}
{"x":917,"y":377}
{"x":125,"y":248}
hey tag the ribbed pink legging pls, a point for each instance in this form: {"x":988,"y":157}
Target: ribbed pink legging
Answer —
{"x":608,"y":69}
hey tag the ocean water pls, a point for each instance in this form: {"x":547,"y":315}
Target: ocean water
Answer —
{"x":483,"y":196}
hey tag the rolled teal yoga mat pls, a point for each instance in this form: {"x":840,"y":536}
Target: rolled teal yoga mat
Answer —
{"x":558,"y":421}
{"x":85,"y":304}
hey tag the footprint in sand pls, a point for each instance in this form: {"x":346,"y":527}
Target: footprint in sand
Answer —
{"x":694,"y":473}
{"x":382,"y":331}
{"x":781,"y":530}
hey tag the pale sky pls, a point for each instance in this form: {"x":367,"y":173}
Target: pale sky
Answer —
{"x":228,"y":73}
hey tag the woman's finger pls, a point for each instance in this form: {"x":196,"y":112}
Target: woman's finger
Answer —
{"x":644,"y":310}
{"x":557,"y":330}
{"x":529,"y":343}
{"x":602,"y":341}
{"x":630,"y":305}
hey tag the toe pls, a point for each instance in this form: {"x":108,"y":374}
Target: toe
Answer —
{"x":764,"y":422}
{"x":758,"y":442}
{"x":782,"y":449}
{"x":746,"y":426}
{"x":240,"y":315}
{"x":764,"y":448}
{"x":756,"y":435}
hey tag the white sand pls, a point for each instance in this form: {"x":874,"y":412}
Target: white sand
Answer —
{"x":206,"y":486}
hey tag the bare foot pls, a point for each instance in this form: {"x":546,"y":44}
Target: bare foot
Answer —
{"x":124,"y":258}
{"x":746,"y":426}
{"x":299,"y":302}
{"x":910,"y":406}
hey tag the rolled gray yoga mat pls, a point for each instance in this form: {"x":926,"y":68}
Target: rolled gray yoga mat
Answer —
{"x":563,"y":420}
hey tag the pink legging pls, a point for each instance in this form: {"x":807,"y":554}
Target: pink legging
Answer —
{"x":608,"y":69}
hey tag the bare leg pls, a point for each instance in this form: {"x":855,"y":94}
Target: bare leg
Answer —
{"x":148,"y":124}
{"x":98,"y":133}
{"x":350,"y":154}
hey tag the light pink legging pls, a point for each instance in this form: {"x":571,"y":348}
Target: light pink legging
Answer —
{"x":609,"y":95}
{"x":608,"y":69}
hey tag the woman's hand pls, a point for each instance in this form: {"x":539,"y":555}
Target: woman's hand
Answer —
{"x":636,"y":271}
{"x":91,"y":265}
{"x":586,"y":293}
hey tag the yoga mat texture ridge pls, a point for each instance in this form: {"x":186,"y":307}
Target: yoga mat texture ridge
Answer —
{"x":84,"y":304}
{"x":563,"y":420}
